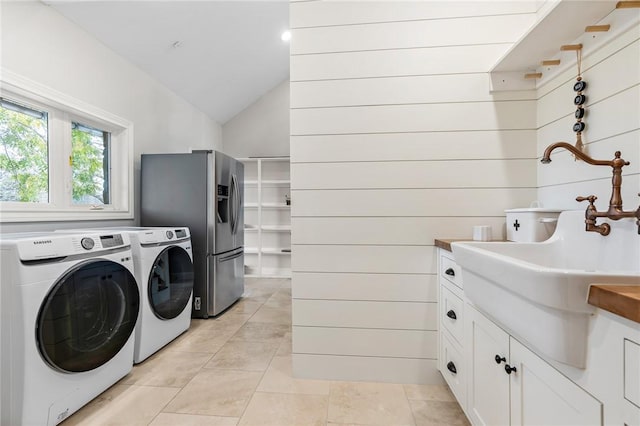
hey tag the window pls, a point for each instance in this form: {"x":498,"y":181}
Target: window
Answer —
{"x":90,"y":164}
{"x":61,"y":159}
{"x":24,"y":147}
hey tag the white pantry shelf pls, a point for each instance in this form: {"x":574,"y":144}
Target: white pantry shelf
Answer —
{"x":276,"y":228}
{"x":268,"y":217}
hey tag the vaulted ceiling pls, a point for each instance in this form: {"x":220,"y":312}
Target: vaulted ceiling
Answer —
{"x":220,"y":56}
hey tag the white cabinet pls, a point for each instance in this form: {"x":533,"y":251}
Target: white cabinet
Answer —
{"x":451,"y":319}
{"x":540,"y":395}
{"x":267,"y":217}
{"x":488,"y":396}
{"x":510,"y":385}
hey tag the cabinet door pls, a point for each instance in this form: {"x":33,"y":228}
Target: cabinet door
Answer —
{"x":488,"y":392}
{"x":541,"y":395}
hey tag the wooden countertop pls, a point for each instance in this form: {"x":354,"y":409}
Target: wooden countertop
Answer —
{"x":445,"y":243}
{"x":623,"y":300}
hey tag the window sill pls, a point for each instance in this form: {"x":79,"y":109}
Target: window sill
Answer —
{"x":62,"y":215}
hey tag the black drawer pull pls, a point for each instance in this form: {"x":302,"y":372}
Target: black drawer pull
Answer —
{"x":500,"y":359}
{"x":450,"y":272}
{"x":451,"y":314}
{"x":452,"y":367}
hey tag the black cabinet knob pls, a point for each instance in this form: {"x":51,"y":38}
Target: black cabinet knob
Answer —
{"x":499,"y":359}
{"x":510,"y":369}
{"x":450,"y":272}
{"x":452,"y":367}
{"x":451,"y":314}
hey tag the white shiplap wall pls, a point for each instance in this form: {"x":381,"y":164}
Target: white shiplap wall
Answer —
{"x":612,"y":74}
{"x":395,"y":141}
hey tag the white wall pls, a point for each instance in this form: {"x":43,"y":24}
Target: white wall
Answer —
{"x":395,"y":141}
{"x":40,"y":44}
{"x":261,"y":129}
{"x":612,"y":74}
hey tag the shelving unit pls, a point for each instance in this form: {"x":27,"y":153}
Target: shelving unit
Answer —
{"x":560,"y":23}
{"x":267,"y":217}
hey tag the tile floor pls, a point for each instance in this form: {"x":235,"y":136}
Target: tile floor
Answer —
{"x":236,"y":370}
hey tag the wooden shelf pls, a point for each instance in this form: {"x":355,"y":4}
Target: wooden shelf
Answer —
{"x":559,"y":23}
{"x":562,"y":23}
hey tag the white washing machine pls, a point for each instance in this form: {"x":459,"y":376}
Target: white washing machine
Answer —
{"x":163,"y":265}
{"x":69,"y":308}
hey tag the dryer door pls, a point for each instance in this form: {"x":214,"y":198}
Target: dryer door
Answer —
{"x":88,"y":316}
{"x":170,"y":283}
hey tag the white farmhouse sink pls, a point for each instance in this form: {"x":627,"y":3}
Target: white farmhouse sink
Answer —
{"x":538,"y":291}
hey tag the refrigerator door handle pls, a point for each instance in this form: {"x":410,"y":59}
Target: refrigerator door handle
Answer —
{"x":233,"y":256}
{"x":234,"y":204}
{"x":238,"y":201}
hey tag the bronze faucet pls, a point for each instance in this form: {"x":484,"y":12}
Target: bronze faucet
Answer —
{"x":615,"y":211}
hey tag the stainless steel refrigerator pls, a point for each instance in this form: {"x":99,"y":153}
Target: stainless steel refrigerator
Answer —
{"x":202,"y":190}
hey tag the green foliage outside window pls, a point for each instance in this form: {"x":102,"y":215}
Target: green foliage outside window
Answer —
{"x":24,"y":158}
{"x":90,"y":176}
{"x":24,"y":168}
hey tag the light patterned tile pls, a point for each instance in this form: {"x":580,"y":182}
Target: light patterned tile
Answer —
{"x":429,"y":392}
{"x":124,"y":405}
{"x":438,"y":413}
{"x":262,"y":332}
{"x":216,"y":393}
{"x":172,"y":419}
{"x":280,"y":409}
{"x":208,"y":342}
{"x":272,"y":315}
{"x":241,"y":355}
{"x":244,"y":306}
{"x":286,"y":345}
{"x":168,"y":368}
{"x":369,"y":403}
{"x":279,"y":379}
{"x":280,"y":299}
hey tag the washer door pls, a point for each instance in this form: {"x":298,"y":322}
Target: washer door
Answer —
{"x":88,"y":316}
{"x":170,"y":282}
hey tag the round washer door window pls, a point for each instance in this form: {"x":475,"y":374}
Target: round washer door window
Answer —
{"x":88,"y":316}
{"x":170,"y":282}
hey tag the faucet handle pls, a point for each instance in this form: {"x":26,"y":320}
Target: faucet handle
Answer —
{"x":591,"y":199}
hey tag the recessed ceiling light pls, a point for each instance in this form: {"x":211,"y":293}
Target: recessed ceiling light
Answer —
{"x":286,"y":36}
{"x":176,"y":44}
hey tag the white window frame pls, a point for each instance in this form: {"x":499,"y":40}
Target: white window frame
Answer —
{"x":62,"y":110}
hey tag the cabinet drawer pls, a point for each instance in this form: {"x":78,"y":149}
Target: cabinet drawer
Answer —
{"x":632,"y":372}
{"x":450,"y":271}
{"x":452,"y":368}
{"x":452,"y":314}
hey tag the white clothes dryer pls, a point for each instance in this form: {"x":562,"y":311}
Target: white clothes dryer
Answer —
{"x":163,"y":264}
{"x":69,"y":309}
